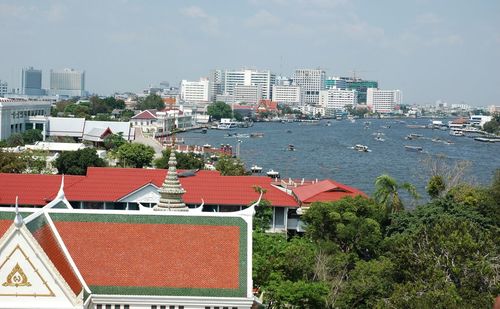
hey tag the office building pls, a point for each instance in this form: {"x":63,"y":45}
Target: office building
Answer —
{"x":3,"y":88}
{"x":31,"y":82}
{"x":192,"y":91}
{"x":265,"y":79}
{"x":337,"y":99}
{"x":251,"y":94}
{"x":335,"y":82}
{"x":67,"y":82}
{"x":288,"y":95}
{"x":383,"y":101}
{"x":216,"y":82}
{"x":360,"y":86}
{"x":311,"y":81}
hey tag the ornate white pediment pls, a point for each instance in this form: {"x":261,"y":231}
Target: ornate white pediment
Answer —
{"x":28,"y":279}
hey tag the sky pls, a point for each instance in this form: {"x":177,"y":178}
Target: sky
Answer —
{"x":432,"y":50}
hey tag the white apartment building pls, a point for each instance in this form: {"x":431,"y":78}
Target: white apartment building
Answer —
{"x":246,"y":77}
{"x":249,"y":94}
{"x":382,"y":101}
{"x":312,"y":110}
{"x":337,"y":99}
{"x":195,"y":91}
{"x":217,"y":79}
{"x":67,"y":82}
{"x":3,"y":88}
{"x":311,"y":81}
{"x":288,"y":95}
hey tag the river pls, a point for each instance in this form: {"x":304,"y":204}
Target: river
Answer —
{"x":324,"y":151}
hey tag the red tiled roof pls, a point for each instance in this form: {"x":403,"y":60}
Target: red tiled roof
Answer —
{"x":112,"y":184}
{"x":325,"y":190}
{"x":146,"y":114}
{"x":154,"y":255}
{"x":33,"y":189}
{"x":47,"y":241}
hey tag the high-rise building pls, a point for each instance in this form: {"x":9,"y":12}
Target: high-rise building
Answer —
{"x":382,"y":101}
{"x":217,"y":81}
{"x":67,"y":82}
{"x":195,"y":91}
{"x":3,"y":88}
{"x":337,"y":99}
{"x":265,"y":79}
{"x":335,"y":82}
{"x":251,"y":94}
{"x":31,"y":81}
{"x":360,"y":86}
{"x":288,"y":95}
{"x":311,"y":81}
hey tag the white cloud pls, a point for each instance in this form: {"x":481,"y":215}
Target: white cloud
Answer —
{"x":428,"y":19}
{"x":209,"y":24}
{"x":263,"y":18}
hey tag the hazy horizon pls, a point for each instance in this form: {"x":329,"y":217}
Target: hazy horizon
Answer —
{"x":431,"y":50}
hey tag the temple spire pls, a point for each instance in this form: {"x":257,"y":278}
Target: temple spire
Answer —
{"x":171,"y":191}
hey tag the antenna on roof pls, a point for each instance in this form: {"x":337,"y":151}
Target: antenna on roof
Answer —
{"x":18,"y":220}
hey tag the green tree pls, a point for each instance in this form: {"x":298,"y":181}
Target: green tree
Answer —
{"x":229,"y":166}
{"x":436,"y":186}
{"x":134,"y":155}
{"x":387,"y":192}
{"x":185,"y":161}
{"x":11,"y":162}
{"x":77,"y":162}
{"x":126,"y":115}
{"x":36,"y":161}
{"x":114,"y":141}
{"x":152,"y":101}
{"x":32,"y":136}
{"x":219,"y":110}
{"x":15,"y":139}
{"x":493,"y":126}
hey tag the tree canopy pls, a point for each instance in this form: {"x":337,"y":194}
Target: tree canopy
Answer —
{"x":134,"y":155}
{"x":229,"y":166}
{"x":186,"y":161}
{"x":219,"y":110}
{"x":152,"y":101}
{"x":77,"y":162}
{"x":355,"y":254}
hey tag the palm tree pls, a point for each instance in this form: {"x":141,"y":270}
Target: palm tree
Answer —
{"x":387,"y":192}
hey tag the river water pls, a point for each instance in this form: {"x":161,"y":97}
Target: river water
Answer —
{"x":324,"y":151}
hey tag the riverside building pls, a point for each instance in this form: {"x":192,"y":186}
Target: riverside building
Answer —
{"x":382,"y":101}
{"x":3,"y":88}
{"x":265,"y":79}
{"x":288,"y":95}
{"x":197,"y":92}
{"x":337,"y":99}
{"x":311,"y":81}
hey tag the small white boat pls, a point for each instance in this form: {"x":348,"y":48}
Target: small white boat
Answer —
{"x":361,"y":148}
{"x":256,"y":169}
{"x":457,"y":133}
{"x":272,"y":173}
{"x":207,"y":146}
{"x":291,"y":147}
{"x":380,"y":139}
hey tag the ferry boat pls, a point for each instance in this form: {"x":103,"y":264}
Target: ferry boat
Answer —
{"x":272,"y":173}
{"x":256,"y":169}
{"x":413,"y":136}
{"x":457,"y":133}
{"x":413,"y":148}
{"x":257,"y":134}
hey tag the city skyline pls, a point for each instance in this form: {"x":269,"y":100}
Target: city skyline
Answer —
{"x":431,"y":51}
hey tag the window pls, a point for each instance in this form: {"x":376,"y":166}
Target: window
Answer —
{"x":126,"y":306}
{"x":98,"y":306}
{"x":108,"y":306}
{"x":117,"y":306}
{"x":153,"y":307}
{"x":163,"y":307}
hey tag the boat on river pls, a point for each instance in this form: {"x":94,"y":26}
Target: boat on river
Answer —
{"x":414,"y":148}
{"x":361,"y":148}
{"x":256,"y":169}
{"x":273,"y":174}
